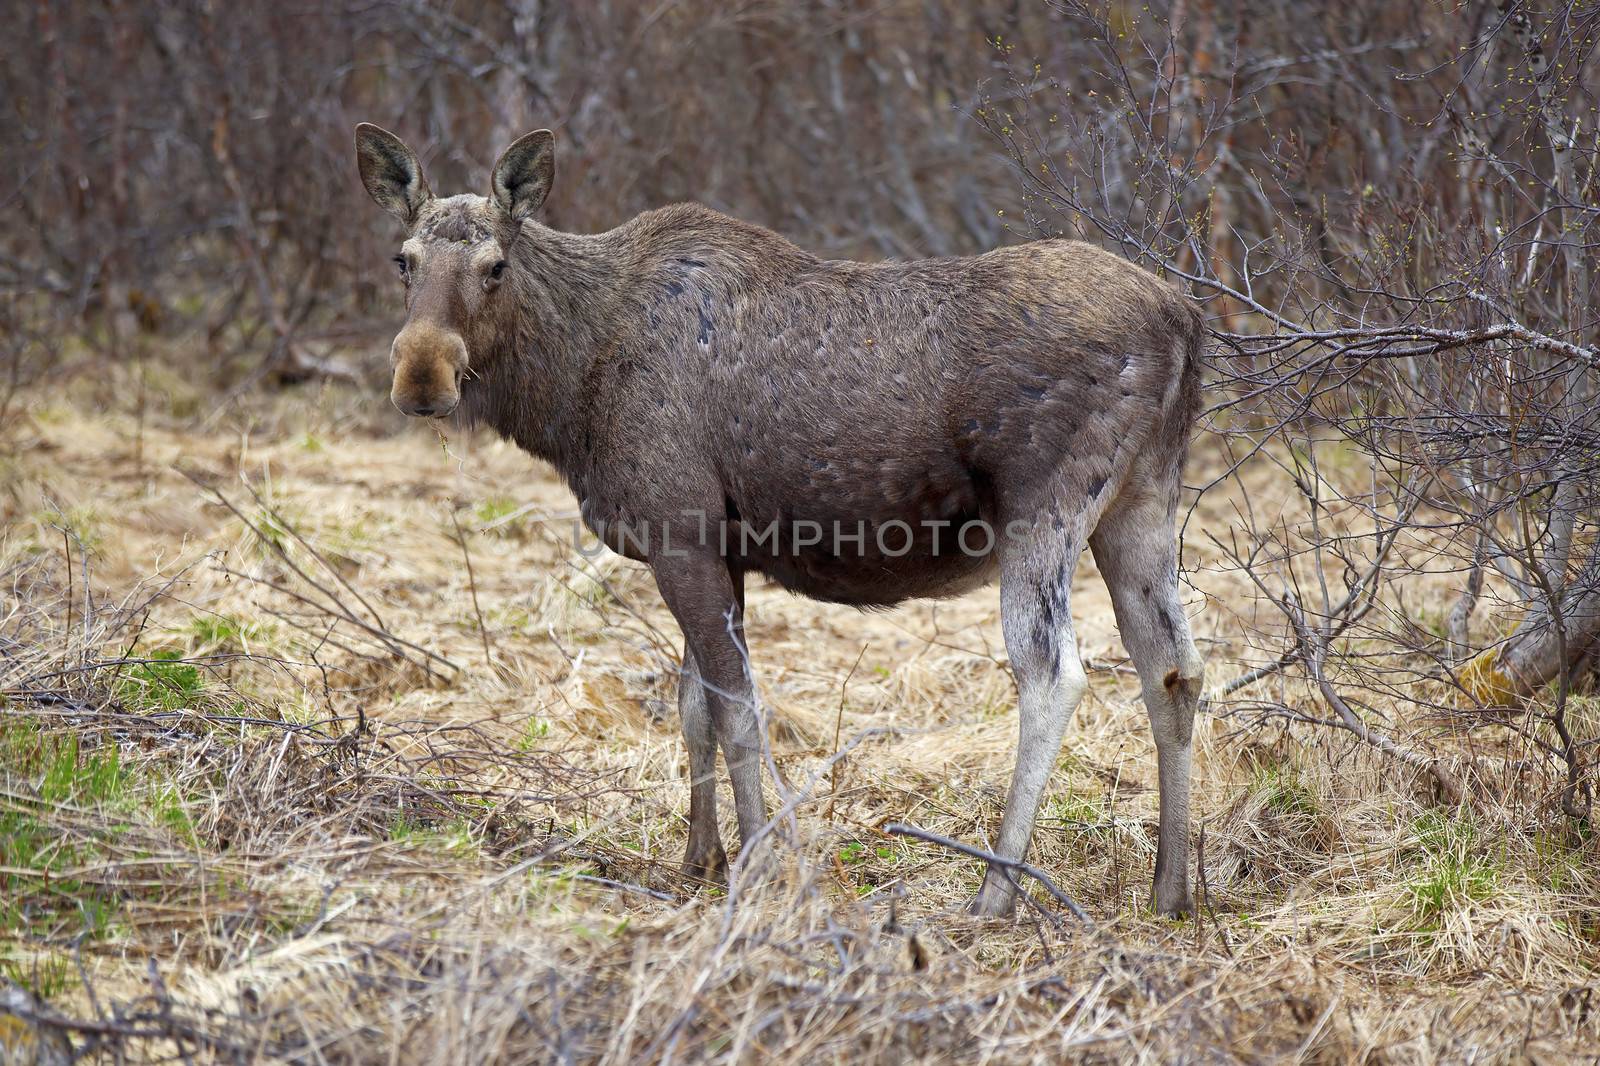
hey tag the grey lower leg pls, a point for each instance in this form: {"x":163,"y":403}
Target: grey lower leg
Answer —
{"x":1136,"y":553}
{"x":707,"y":600}
{"x":1174,"y":753}
{"x":739,"y":730}
{"x":738,"y":723}
{"x":704,"y":857}
{"x":1034,"y":604}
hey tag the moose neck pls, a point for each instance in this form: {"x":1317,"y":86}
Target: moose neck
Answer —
{"x":560,"y":315}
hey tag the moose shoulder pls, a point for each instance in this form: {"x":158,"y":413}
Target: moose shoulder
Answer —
{"x":723,"y":403}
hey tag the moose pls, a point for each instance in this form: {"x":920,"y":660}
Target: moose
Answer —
{"x":723,"y":403}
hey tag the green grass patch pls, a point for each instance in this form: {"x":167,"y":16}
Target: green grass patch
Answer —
{"x":221,"y":632}
{"x":44,"y":973}
{"x":872,"y":865}
{"x":1456,"y":872}
{"x":513,"y":619}
{"x":39,"y":894}
{"x":1077,"y":811}
{"x":1284,"y":792}
{"x":162,"y":682}
{"x":456,"y":837}
{"x":272,"y":530}
{"x":171,"y":809}
{"x":534,"y":732}
{"x":494,"y":516}
{"x":1558,"y":855}
{"x":855,"y":853}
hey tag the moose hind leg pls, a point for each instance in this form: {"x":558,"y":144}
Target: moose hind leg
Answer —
{"x":1135,"y":549}
{"x":704,"y":859}
{"x":1035,"y":595}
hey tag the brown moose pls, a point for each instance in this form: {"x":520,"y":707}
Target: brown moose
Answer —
{"x":723,"y":403}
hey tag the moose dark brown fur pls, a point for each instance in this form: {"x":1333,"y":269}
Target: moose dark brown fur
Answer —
{"x":723,"y":403}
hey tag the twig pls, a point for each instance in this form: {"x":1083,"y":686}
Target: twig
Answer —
{"x":288,"y":527}
{"x":838,"y":726}
{"x":901,"y":829}
{"x":335,"y":606}
{"x":1348,"y":719}
{"x":161,"y":1023}
{"x":1205,"y":893}
{"x":66,"y":546}
{"x":1352,"y":603}
{"x":472,"y":585}
{"x":623,"y":886}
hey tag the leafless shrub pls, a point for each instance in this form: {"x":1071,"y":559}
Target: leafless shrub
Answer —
{"x":1384,"y":209}
{"x":184,"y":169}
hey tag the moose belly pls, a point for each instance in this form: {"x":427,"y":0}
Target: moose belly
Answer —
{"x":872,"y":578}
{"x":868,"y":541}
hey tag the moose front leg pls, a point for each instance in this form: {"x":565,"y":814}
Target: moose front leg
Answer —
{"x":707,"y":599}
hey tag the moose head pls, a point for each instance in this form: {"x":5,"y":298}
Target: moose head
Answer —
{"x":455,"y":261}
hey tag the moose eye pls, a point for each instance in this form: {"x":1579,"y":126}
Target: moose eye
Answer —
{"x":498,"y":269}
{"x":400,"y":262}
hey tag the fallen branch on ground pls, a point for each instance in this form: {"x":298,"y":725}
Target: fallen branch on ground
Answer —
{"x":901,"y":829}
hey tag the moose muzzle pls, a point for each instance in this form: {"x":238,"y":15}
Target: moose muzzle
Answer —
{"x":428,"y":365}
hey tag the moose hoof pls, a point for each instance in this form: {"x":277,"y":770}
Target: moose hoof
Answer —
{"x":705,"y":865}
{"x":1175,"y":902}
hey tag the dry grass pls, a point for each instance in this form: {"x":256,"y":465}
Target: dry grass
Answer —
{"x":279,"y":781}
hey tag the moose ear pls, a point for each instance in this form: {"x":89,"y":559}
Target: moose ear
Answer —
{"x":391,"y":173}
{"x":522,"y":177}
